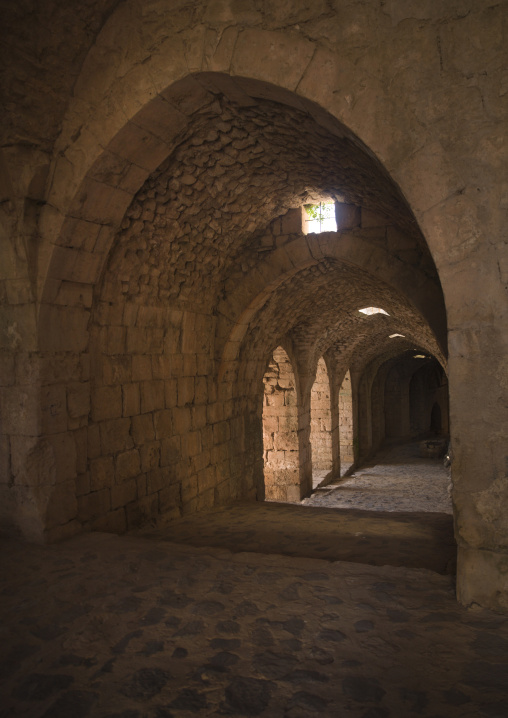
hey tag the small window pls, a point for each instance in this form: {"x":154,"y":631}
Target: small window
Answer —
{"x":373,"y":310}
{"x":392,"y":336}
{"x":320,"y":218}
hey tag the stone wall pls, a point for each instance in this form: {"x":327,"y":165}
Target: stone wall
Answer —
{"x":321,"y":420}
{"x":347,"y":455}
{"x":280,"y":430}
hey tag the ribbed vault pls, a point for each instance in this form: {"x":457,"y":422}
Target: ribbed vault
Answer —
{"x":318,"y":310}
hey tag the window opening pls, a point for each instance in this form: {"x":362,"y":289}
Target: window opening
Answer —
{"x":392,"y":336}
{"x":373,"y":310}
{"x":321,"y":217}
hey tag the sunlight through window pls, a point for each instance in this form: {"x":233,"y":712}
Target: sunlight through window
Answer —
{"x":321,"y":217}
{"x":373,"y":310}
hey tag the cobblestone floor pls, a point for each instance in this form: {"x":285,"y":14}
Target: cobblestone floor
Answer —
{"x":145,"y":627}
{"x":397,"y":479}
{"x":140,"y":628}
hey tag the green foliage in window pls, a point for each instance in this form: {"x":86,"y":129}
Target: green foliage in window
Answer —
{"x":321,"y":211}
{"x":312,"y":210}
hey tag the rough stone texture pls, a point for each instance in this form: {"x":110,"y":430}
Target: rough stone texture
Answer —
{"x":153,"y":166}
{"x":347,"y":455}
{"x":321,"y":420}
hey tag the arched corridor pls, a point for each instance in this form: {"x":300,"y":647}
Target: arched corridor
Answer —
{"x":168,"y":319}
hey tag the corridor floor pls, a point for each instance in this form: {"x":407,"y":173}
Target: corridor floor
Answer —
{"x":269,"y":610}
{"x":129,"y":627}
{"x":397,"y":479}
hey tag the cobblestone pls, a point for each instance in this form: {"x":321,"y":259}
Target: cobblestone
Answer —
{"x":397,"y":479}
{"x":237,"y":634}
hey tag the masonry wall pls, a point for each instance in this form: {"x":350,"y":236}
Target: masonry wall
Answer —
{"x":346,"y":423}
{"x":321,"y":420}
{"x":280,"y":430}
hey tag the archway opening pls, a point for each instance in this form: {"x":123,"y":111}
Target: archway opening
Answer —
{"x":321,"y":425}
{"x":280,"y":430}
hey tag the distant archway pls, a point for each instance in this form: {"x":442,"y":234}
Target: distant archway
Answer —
{"x":435,"y":419}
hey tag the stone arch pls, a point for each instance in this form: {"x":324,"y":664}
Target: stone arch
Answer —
{"x":121,"y":332}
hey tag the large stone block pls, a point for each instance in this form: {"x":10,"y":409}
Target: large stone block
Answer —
{"x":170,"y":451}
{"x":189,"y":489}
{"x":181,"y":420}
{"x":102,"y":473}
{"x":272,"y":56}
{"x":221,"y":432}
{"x":152,"y":396}
{"x":19,"y":410}
{"x":191,"y":444}
{"x":106,"y":403}
{"x":163,"y":424}
{"x":53,"y":409}
{"x":98,"y":503}
{"x":143,"y":428}
{"x":150,"y":455}
{"x":78,"y":399}
{"x":156,"y":479}
{"x":206,"y":479}
{"x":124,"y":493}
{"x":128,"y":465}
{"x":63,"y":448}
{"x":115,"y":436}
{"x":185,"y":390}
{"x":141,"y":367}
{"x":131,"y":399}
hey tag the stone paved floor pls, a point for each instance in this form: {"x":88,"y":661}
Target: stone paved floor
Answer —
{"x":162,"y":625}
{"x":397,"y":479}
{"x":130,"y":627}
